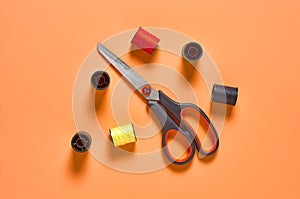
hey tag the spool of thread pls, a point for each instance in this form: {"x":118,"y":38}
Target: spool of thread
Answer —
{"x":192,"y":51}
{"x":224,"y":94}
{"x":81,"y":142}
{"x":122,"y":135}
{"x":100,"y":80}
{"x":145,"y":40}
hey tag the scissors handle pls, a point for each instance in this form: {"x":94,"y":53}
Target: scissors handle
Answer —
{"x":166,"y":111}
{"x":169,"y":126}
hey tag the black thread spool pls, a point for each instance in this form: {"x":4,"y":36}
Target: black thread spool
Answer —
{"x":81,"y":142}
{"x":100,"y":80}
{"x":192,"y":51}
{"x":224,"y":94}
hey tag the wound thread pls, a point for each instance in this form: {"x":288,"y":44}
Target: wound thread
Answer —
{"x":145,"y":40}
{"x":122,"y":135}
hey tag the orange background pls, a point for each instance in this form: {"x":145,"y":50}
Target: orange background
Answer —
{"x":255,"y":45}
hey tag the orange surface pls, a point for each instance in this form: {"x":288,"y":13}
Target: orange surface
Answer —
{"x":255,"y":45}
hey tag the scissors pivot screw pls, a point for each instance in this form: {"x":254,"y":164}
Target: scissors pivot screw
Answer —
{"x":146,"y":90}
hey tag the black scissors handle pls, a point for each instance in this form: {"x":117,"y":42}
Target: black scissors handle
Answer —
{"x":169,"y":125}
{"x":166,"y":110}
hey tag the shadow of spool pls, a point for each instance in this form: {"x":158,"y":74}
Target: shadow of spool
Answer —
{"x":187,"y":69}
{"x":78,"y":162}
{"x":100,"y":96}
{"x":137,"y":53}
{"x":218,"y":109}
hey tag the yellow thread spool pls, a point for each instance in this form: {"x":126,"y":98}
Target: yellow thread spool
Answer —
{"x":122,"y":135}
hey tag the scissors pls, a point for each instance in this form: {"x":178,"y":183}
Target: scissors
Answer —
{"x":169,"y":113}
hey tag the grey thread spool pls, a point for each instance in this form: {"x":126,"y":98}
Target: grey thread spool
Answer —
{"x":224,"y":94}
{"x":81,"y":142}
{"x":100,"y":80}
{"x":192,"y":51}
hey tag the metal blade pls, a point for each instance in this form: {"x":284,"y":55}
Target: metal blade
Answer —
{"x":134,"y":78}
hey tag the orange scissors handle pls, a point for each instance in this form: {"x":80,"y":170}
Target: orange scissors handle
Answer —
{"x":170,"y":115}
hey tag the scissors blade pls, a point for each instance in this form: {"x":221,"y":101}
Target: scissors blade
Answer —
{"x":132,"y":77}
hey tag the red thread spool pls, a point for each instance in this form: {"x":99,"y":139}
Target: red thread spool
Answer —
{"x":145,"y":40}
